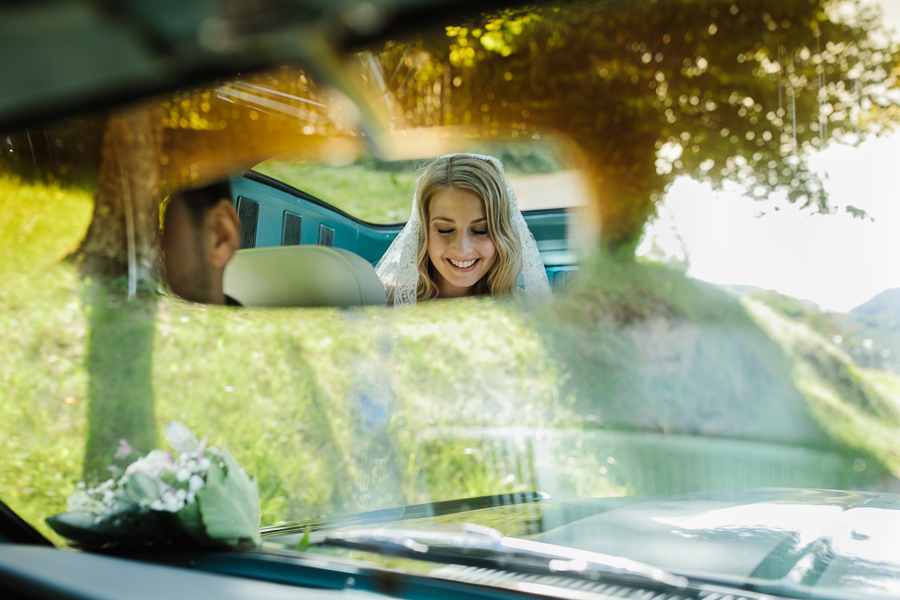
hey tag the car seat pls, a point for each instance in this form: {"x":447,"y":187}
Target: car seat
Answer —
{"x":304,"y":275}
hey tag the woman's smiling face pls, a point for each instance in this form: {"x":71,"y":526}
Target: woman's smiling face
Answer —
{"x":459,"y":245}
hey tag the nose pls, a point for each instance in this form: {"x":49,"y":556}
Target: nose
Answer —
{"x":462,"y":244}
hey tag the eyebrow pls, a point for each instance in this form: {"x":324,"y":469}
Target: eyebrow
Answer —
{"x":448,"y":220}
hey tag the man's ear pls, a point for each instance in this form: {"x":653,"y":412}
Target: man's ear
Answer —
{"x":226,"y":228}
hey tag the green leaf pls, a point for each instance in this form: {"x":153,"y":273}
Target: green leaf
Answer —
{"x":191,"y":521}
{"x":304,"y":541}
{"x":229,"y":503}
{"x":128,"y":528}
{"x":181,"y":437}
{"x":141,"y":486}
{"x":71,"y":524}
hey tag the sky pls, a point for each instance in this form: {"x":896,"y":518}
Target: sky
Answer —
{"x":891,"y":10}
{"x":834,"y":260}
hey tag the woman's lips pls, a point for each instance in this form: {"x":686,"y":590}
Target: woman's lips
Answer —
{"x":463,"y":265}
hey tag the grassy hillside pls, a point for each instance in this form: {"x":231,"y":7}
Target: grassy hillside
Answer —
{"x":648,"y":349}
{"x":685,"y":357}
{"x":858,"y":407}
{"x":871,"y":331}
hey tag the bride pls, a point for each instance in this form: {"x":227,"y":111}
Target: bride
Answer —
{"x":465,"y":236}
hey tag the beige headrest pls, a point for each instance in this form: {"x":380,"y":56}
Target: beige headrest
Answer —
{"x":302,"y":276}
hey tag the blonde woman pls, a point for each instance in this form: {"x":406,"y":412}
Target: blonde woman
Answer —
{"x":465,"y":236}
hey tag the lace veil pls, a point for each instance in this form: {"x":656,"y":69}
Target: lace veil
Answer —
{"x":398,"y":271}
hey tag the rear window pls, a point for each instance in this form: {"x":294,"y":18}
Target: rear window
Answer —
{"x":380,"y":191}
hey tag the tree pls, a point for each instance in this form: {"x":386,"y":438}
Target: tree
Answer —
{"x":651,"y":90}
{"x":147,"y":151}
{"x":120,"y":256}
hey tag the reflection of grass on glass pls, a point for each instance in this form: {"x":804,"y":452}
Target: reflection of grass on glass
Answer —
{"x":327,"y":407}
{"x":323,"y":406}
{"x":337,"y":411}
{"x":366,"y":193}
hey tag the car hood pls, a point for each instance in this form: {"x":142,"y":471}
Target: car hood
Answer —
{"x":787,"y":540}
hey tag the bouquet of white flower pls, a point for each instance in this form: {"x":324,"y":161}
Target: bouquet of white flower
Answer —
{"x":200,"y":495}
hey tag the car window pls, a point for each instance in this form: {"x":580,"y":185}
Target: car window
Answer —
{"x":377,"y":193}
{"x":380,"y":192}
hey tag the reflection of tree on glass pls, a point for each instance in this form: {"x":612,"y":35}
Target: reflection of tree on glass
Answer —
{"x":119,"y":251}
{"x":465,"y":236}
{"x":654,"y":90}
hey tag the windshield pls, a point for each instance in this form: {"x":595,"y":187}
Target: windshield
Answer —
{"x":711,"y":194}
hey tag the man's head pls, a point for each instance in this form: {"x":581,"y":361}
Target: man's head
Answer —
{"x":201,"y":233}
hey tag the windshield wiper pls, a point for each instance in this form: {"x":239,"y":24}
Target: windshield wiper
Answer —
{"x":479,"y":546}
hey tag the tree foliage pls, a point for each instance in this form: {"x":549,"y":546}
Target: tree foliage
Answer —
{"x":739,"y":91}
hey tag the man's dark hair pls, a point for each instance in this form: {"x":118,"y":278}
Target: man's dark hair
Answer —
{"x":199,"y":200}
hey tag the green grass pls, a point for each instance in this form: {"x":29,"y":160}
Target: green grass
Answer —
{"x":304,"y":406}
{"x":669,"y":354}
{"x":859,"y":408}
{"x":367,"y":194}
{"x":295,"y":395}
{"x":42,"y":325}
{"x":337,"y":411}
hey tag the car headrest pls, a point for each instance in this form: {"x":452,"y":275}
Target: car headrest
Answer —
{"x":302,"y":276}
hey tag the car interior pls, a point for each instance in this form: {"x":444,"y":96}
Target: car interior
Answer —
{"x":307,"y":275}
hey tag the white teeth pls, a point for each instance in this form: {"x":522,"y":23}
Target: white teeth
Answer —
{"x":462,"y":264}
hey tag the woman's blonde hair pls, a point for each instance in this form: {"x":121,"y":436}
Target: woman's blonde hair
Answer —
{"x":485,"y":180}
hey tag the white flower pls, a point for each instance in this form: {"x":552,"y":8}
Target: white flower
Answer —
{"x":152,"y":464}
{"x":166,"y":482}
{"x":170,"y":502}
{"x":82,"y":501}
